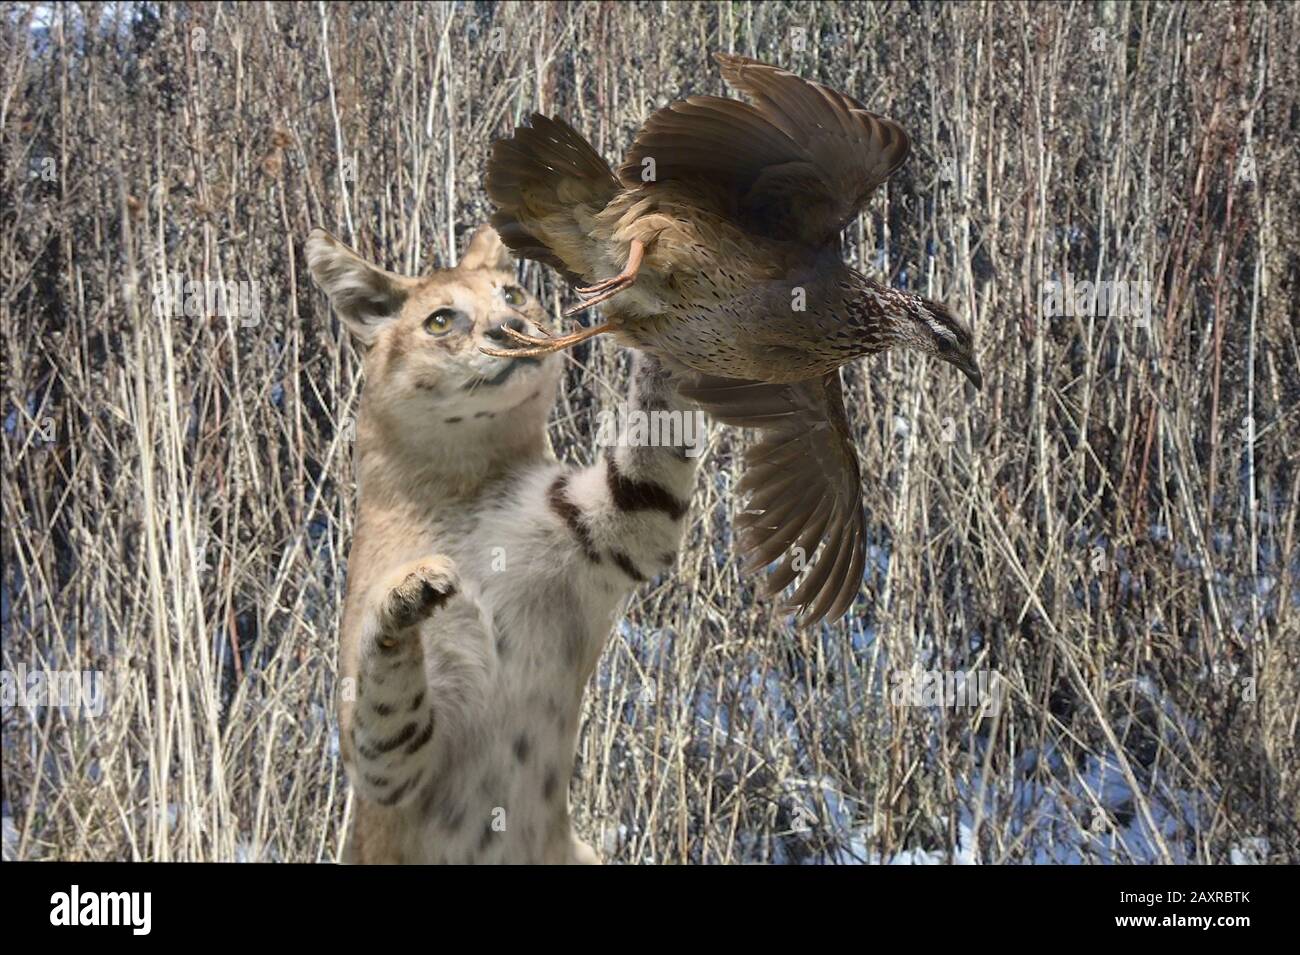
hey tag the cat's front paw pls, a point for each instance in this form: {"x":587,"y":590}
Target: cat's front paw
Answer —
{"x":418,"y":592}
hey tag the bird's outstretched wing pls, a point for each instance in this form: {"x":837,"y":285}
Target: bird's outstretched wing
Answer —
{"x":796,"y":164}
{"x":802,"y":479}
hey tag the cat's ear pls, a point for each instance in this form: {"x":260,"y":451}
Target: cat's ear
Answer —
{"x":486,"y":251}
{"x":364,"y":296}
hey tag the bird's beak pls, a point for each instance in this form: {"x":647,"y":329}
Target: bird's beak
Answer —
{"x":969,"y":367}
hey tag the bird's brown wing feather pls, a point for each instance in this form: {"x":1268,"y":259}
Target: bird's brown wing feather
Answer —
{"x":796,"y":164}
{"x":802,"y":479}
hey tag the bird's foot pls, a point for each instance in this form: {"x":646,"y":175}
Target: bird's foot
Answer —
{"x":621,"y":283}
{"x":532,"y":346}
{"x":602,"y":286}
{"x":607,"y":289}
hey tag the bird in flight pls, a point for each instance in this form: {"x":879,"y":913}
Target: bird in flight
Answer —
{"x":717,"y":247}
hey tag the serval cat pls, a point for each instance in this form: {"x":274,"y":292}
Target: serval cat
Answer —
{"x":485,"y":575}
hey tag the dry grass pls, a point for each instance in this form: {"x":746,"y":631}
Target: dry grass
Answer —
{"x":1098,"y":528}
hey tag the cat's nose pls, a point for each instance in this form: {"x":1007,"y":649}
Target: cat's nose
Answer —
{"x":497,"y":333}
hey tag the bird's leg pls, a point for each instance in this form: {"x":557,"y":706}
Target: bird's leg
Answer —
{"x":545,"y":346}
{"x":607,"y":289}
{"x":635,"y":253}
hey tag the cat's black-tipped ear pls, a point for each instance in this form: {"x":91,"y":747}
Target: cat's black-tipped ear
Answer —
{"x":364,"y":295}
{"x":486,"y":251}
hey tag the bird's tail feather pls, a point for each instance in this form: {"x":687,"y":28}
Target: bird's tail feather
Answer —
{"x":541,"y":179}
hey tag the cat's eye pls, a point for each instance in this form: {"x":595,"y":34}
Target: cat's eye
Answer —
{"x":513,"y":295}
{"x":439,"y":323}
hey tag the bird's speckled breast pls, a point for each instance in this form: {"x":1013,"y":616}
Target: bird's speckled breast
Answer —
{"x":725,"y":302}
{"x":775,"y":330}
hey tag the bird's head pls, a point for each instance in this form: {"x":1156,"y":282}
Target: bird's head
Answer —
{"x":936,"y":330}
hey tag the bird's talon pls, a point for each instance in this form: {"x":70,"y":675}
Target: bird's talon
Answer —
{"x":522,"y":338}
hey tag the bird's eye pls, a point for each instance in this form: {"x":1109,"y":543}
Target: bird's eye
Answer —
{"x":513,"y":295}
{"x":439,"y":323}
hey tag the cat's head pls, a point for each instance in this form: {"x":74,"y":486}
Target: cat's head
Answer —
{"x":426,"y":377}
